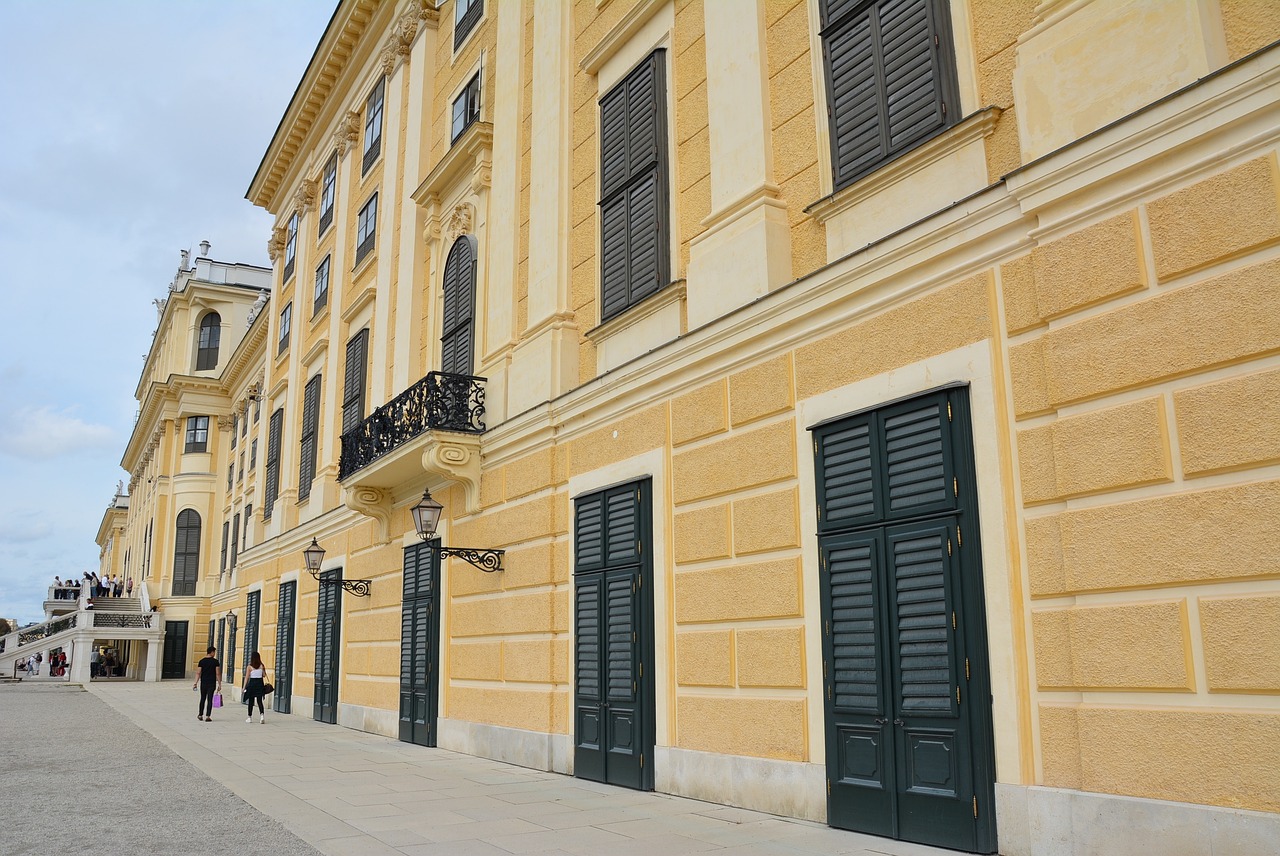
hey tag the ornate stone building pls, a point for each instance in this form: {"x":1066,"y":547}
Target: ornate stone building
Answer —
{"x":873,"y":402}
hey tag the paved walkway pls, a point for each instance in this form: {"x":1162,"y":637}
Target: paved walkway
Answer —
{"x":349,"y":793}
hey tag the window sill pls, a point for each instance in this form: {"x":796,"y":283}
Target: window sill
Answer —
{"x":471,"y":154}
{"x":363,"y":262}
{"x":318,"y":314}
{"x":638,"y":329}
{"x":904,"y":166}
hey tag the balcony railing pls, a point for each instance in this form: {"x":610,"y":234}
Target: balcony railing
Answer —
{"x":438,"y":402}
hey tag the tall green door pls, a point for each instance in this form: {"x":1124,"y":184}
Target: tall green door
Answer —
{"x":908,"y":714}
{"x":328,"y":633}
{"x":173,"y":663}
{"x":419,"y":651}
{"x":613,"y":630}
{"x":282,"y":698}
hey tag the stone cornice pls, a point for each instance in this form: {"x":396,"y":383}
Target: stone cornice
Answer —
{"x":343,"y":46}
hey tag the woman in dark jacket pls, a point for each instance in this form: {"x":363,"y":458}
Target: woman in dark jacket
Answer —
{"x":255,"y":679}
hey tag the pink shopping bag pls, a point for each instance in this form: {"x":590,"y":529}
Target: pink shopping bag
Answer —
{"x":217,"y":699}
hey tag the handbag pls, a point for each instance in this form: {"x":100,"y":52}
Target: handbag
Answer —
{"x":268,"y":689}
{"x":217,"y":699}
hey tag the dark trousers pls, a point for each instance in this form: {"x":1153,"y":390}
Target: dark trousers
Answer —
{"x":207,"y":689}
{"x":253,"y":692}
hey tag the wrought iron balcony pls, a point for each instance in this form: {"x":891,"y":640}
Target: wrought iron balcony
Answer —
{"x":438,"y":402}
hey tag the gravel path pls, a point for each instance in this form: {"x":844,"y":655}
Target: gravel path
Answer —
{"x":106,"y":787}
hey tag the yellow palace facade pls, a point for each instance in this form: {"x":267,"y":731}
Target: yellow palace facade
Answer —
{"x":857,"y":411}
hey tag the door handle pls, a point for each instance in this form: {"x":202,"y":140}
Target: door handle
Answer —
{"x":880,"y":720}
{"x":898,"y":722}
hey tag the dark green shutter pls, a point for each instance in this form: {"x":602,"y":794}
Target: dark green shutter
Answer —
{"x":186,"y":553}
{"x":613,"y":697}
{"x":222,"y":562}
{"x":282,"y":699}
{"x":633,"y":206}
{"x":272,"y":488}
{"x":906,"y":693}
{"x":235,"y":539}
{"x":310,"y":425}
{"x":457,"y":341}
{"x":353,"y":381}
{"x":328,"y":633}
{"x":252,"y":610}
{"x":418,"y":651}
{"x":890,"y":77}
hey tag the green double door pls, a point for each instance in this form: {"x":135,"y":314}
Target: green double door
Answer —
{"x":613,"y":637}
{"x":328,"y":635}
{"x":282,"y":698}
{"x":907,"y":694}
{"x":419,"y":649}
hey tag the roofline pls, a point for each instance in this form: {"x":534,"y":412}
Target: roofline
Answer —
{"x":347,"y":26}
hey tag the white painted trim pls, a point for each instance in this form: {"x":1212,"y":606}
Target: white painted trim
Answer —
{"x":610,"y":43}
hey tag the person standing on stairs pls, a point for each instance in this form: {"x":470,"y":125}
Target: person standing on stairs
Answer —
{"x":255,"y":679}
{"x":209,"y":680}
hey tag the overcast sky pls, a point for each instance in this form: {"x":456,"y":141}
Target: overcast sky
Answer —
{"x":131,"y":131}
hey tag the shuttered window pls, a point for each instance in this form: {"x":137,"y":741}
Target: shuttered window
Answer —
{"x":310,"y":426}
{"x":226,"y":533}
{"x":235,"y":540}
{"x":366,"y":228}
{"x":891,"y":80}
{"x":252,"y":614}
{"x":272,"y":488}
{"x":186,"y":553}
{"x":353,"y":380}
{"x":457,"y":339}
{"x":634,"y":215}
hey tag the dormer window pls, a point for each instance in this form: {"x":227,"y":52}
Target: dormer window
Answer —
{"x":373,"y":125}
{"x":291,"y":247}
{"x":210,"y":336}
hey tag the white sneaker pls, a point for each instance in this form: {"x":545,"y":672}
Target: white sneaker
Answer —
{"x":262,"y":717}
{"x":249,"y":718}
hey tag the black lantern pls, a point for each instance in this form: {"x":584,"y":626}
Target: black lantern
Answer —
{"x":426,"y":517}
{"x":314,"y":556}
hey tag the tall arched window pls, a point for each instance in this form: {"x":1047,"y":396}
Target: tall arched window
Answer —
{"x":210,"y":336}
{"x":186,"y":553}
{"x":457,"y":339}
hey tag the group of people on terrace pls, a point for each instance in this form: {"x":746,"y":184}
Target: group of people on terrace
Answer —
{"x":92,"y":586}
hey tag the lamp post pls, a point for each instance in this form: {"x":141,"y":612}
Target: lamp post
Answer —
{"x":313,"y":556}
{"x":426,"y":517}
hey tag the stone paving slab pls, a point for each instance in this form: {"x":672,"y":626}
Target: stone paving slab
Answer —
{"x":349,"y":793}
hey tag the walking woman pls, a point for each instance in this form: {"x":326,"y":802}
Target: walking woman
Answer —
{"x":255,"y":679}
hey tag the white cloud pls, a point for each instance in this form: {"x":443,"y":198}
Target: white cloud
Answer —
{"x":44,"y":433}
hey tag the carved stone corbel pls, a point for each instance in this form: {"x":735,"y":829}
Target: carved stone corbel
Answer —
{"x":276,"y":243}
{"x":347,"y":133}
{"x":305,"y":196}
{"x":428,"y":14}
{"x":372,"y":502}
{"x":226,"y":423}
{"x":456,"y":457}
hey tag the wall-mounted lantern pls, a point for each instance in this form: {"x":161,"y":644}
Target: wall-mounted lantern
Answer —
{"x":314,"y":556}
{"x":426,"y":517}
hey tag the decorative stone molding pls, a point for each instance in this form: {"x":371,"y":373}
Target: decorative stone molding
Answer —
{"x":456,"y":457}
{"x":347,"y":133}
{"x":428,"y":13}
{"x":460,"y":222}
{"x":226,"y":423}
{"x":305,"y":196}
{"x":276,"y":243}
{"x":373,"y":502}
